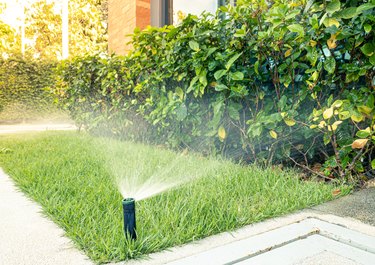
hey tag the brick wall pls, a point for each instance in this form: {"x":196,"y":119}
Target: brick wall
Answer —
{"x":143,"y":13}
{"x":123,"y":17}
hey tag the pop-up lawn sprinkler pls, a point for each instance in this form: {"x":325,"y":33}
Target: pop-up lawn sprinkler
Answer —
{"x":128,"y":206}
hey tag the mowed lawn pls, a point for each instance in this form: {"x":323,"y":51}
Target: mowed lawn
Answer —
{"x":73,"y":176}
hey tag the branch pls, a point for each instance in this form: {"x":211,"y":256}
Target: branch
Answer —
{"x":310,"y":170}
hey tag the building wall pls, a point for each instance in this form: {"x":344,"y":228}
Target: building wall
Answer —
{"x":123,"y":17}
{"x":143,"y":13}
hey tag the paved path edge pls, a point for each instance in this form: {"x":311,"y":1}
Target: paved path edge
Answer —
{"x":194,"y":248}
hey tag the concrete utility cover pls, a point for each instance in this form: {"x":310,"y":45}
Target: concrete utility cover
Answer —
{"x":311,"y":241}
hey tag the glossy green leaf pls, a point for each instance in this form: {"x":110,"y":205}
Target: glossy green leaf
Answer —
{"x":220,"y":87}
{"x":232,"y":60}
{"x":237,"y":76}
{"x":194,"y":45}
{"x":233,"y":110}
{"x":347,"y":13}
{"x":364,"y":133}
{"x":219,"y":74}
{"x":372,"y":59}
{"x":330,"y":65}
{"x":368,"y":49}
{"x":365,"y":7}
{"x":181,"y":112}
{"x":367,"y":28}
{"x":203,"y":78}
{"x":256,"y":67}
{"x":297,"y":29}
{"x":333,"y":6}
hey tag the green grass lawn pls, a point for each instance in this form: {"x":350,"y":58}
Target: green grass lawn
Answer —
{"x":73,"y":176}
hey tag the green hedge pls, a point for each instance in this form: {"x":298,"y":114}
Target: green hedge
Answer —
{"x":25,"y":88}
{"x":271,"y":85}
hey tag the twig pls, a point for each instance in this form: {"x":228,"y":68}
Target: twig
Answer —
{"x":310,"y":170}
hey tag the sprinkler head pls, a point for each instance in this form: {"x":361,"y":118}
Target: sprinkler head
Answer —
{"x":128,"y":206}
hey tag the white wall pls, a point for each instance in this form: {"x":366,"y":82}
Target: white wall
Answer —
{"x":195,"y":7}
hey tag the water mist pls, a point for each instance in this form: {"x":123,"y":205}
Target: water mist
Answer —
{"x":143,"y":171}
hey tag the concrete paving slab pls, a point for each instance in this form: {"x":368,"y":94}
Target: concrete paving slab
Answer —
{"x":27,"y":237}
{"x":310,"y":248}
{"x":254,"y":245}
{"x":290,"y":244}
{"x":324,"y":258}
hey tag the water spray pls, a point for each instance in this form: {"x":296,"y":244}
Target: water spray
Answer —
{"x":128,"y":206}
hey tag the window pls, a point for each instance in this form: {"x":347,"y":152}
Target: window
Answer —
{"x":183,"y":7}
{"x":161,"y":11}
{"x":166,"y":12}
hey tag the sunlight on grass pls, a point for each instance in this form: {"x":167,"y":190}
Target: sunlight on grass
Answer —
{"x":70,"y":175}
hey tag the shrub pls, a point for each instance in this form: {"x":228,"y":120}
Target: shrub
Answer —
{"x":254,"y":84}
{"x":24,"y":88}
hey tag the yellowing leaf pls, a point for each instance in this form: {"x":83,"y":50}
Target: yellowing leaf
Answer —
{"x":273,"y":134}
{"x":294,"y":4}
{"x":180,"y":93}
{"x":313,"y":126}
{"x":328,"y":22}
{"x":356,"y":118}
{"x":299,"y":147}
{"x":359,"y":143}
{"x":316,"y":112}
{"x":322,"y":124}
{"x":328,"y":113}
{"x":365,"y":109}
{"x":288,"y":53}
{"x":343,"y":115}
{"x":314,"y":76}
{"x":333,"y":127}
{"x":331,"y":42}
{"x":222,"y":133}
{"x":313,"y":43}
{"x":289,"y":122}
{"x":337,"y":104}
{"x":336,"y":123}
{"x":283,"y":114}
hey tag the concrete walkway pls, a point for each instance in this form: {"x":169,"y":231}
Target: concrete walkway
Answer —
{"x":27,"y":237}
{"x":19,"y":128}
{"x":360,"y":206}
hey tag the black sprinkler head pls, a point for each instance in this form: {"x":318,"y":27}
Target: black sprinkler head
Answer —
{"x":128,"y":206}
